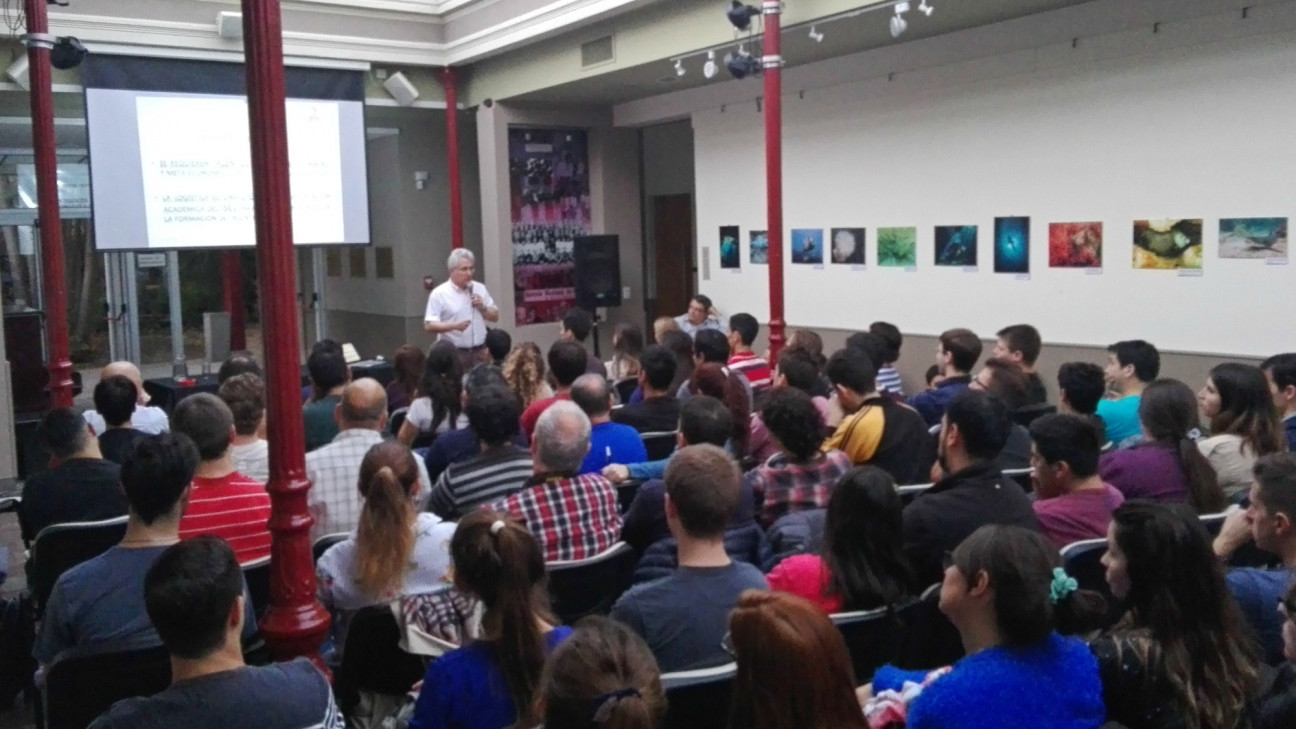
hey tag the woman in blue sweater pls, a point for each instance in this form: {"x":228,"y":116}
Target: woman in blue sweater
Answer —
{"x":1004,"y":590}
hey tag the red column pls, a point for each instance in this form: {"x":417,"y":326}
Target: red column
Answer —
{"x":296,"y":623}
{"x":53,"y":279}
{"x":773,"y":65}
{"x":232,"y":288}
{"x":452,"y":155}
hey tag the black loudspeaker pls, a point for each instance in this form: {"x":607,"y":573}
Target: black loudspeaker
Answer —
{"x":598,"y":270}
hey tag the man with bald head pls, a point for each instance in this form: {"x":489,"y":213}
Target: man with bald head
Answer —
{"x":334,"y":469}
{"x":609,"y":442}
{"x":146,"y":418}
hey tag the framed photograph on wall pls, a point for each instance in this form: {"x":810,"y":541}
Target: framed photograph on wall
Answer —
{"x":730,"y":256}
{"x":1253,"y":238}
{"x":1075,"y":245}
{"x":897,"y":247}
{"x":808,"y":245}
{"x":956,"y":245}
{"x":1012,"y":245}
{"x":848,"y":246}
{"x":1168,"y":243}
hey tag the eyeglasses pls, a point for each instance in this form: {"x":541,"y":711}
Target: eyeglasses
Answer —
{"x":726,"y":644}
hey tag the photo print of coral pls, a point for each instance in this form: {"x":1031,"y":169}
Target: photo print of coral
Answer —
{"x":1168,"y":243}
{"x":897,"y":247}
{"x":956,"y":245}
{"x":807,"y":245}
{"x":729,"y":254}
{"x":1075,"y":245}
{"x":848,"y":245}
{"x":1012,"y":245}
{"x":759,"y":246}
{"x":1253,"y":238}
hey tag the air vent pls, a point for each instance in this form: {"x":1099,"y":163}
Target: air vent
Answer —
{"x":597,"y":52}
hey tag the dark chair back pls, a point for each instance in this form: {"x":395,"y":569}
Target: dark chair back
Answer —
{"x":257,"y":576}
{"x":930,"y":639}
{"x":659,"y":445}
{"x":1213,"y":522}
{"x":396,"y":420}
{"x":625,"y":388}
{"x":372,"y":659}
{"x":699,"y":699}
{"x":322,"y":544}
{"x":626,"y":492}
{"x":590,"y":586}
{"x":1027,"y":415}
{"x":84,"y":682}
{"x":873,"y":637}
{"x":910,"y":492}
{"x":1022,"y":476}
{"x":1083,"y":561}
{"x":60,"y":547}
{"x":423,"y":440}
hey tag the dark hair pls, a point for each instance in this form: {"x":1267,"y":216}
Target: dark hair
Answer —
{"x":1083,"y":384}
{"x":592,"y":394}
{"x":505,"y":567}
{"x":1168,"y":412}
{"x":1022,"y":338}
{"x":963,"y":346}
{"x":799,"y":368}
{"x":189,"y":594}
{"x":705,"y":301}
{"x":1282,"y":368}
{"x":408,"y":363}
{"x":63,"y":432}
{"x":114,"y":398}
{"x":245,"y":396}
{"x":983,"y":420}
{"x":602,"y":661}
{"x":890,"y":335}
{"x":792,"y":418}
{"x":442,"y":383}
{"x":627,"y":346}
{"x":1069,"y":439}
{"x":494,"y":414}
{"x":852,"y":369}
{"x":1142,"y":356}
{"x":1008,"y":382}
{"x":157,"y":473}
{"x":567,"y":361}
{"x":704,"y":419}
{"x":327,"y":366}
{"x":1275,"y":477}
{"x":727,"y":386}
{"x":1180,"y":613}
{"x":658,"y":366}
{"x":578,"y":322}
{"x":871,"y":345}
{"x":711,"y":346}
{"x":481,"y":376}
{"x":680,"y":345}
{"x":241,"y":363}
{"x":498,"y":343}
{"x":384,"y":537}
{"x":809,"y":342}
{"x":746,"y":326}
{"x":702,"y":482}
{"x":932,"y":373}
{"x":863,"y":545}
{"x":207,"y":420}
{"x":1247,"y":408}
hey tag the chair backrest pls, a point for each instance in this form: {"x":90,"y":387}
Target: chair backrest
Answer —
{"x":590,"y":586}
{"x":322,"y":544}
{"x":624,"y":388}
{"x":1214,"y":522}
{"x":84,"y":682}
{"x":911,"y":491}
{"x":1022,"y":476}
{"x":60,"y":547}
{"x":699,"y":699}
{"x":372,"y":659}
{"x":1083,"y":561}
{"x":626,"y":492}
{"x":659,"y":444}
{"x":930,"y":639}
{"x":873,"y":637}
{"x":396,"y":420}
{"x":1029,"y":414}
{"x":257,"y":576}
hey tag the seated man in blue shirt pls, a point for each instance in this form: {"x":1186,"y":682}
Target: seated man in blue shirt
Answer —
{"x":609,"y":442}
{"x":957,"y":352}
{"x":1270,"y":520}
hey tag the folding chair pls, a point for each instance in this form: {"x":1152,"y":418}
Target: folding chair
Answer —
{"x":699,"y":699}
{"x":86,"y":681}
{"x":590,"y":586}
{"x":60,"y":547}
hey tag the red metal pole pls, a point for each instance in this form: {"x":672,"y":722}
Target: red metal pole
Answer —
{"x":53,"y":280}
{"x":452,"y":155}
{"x":232,"y":287}
{"x":296,"y":623}
{"x":773,"y":65}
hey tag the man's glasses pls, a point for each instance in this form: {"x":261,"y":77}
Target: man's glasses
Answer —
{"x":726,"y":643}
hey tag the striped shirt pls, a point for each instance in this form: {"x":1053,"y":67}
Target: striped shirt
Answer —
{"x":572,"y":517}
{"x":334,"y":472}
{"x":888,"y":379}
{"x":756,"y":370}
{"x":234,"y":508}
{"x":489,"y":476}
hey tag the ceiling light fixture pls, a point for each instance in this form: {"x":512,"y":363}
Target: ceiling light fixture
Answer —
{"x":925,"y":8}
{"x":679,"y":67}
{"x":898,"y":23}
{"x":741,"y":64}
{"x":740,"y":15}
{"x":815,"y":35}
{"x":710,"y":69}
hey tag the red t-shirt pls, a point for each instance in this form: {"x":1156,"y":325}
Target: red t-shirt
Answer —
{"x":234,"y":508}
{"x":536,"y":409}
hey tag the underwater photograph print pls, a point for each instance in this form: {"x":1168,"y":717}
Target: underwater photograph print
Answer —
{"x":1075,"y":245}
{"x":956,"y":245}
{"x":1168,"y":243}
{"x":1012,"y":245}
{"x":1253,"y":238}
{"x":807,"y":245}
{"x":897,"y":247}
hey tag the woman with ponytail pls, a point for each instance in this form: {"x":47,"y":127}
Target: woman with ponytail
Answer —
{"x":603,"y":677}
{"x":726,"y":386}
{"x":395,"y":550}
{"x":492,"y":683}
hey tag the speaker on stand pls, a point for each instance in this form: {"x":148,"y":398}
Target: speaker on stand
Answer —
{"x":597,"y":261}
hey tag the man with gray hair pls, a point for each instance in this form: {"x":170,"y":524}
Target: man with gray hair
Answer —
{"x":573,"y":516}
{"x":457,"y":310}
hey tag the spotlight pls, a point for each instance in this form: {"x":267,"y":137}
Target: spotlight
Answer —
{"x":898,"y":23}
{"x":815,"y":35}
{"x":740,"y":15}
{"x":709,"y":69}
{"x":741,"y":64}
{"x":679,"y":67}
{"x":68,"y":52}
{"x":925,"y":8}
{"x":17,"y":72}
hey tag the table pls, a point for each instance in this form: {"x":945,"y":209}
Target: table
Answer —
{"x":379,"y":369}
{"x":167,"y":392}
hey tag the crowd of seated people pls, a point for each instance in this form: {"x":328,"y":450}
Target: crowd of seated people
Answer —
{"x":778,"y":504}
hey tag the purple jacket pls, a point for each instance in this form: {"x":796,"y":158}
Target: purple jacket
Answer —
{"x":1148,"y":471}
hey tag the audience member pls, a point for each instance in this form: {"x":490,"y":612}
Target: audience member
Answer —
{"x":1020,"y":344}
{"x":609,"y":442}
{"x":329,"y":373}
{"x":222,"y":501}
{"x":1080,"y":388}
{"x":862,"y":565}
{"x":572,"y":516}
{"x":146,"y":418}
{"x":743,"y":329}
{"x":975,"y":493}
{"x":498,"y":343}
{"x":701,"y":315}
{"x":793,"y":666}
{"x":1005,"y":591}
{"x":439,"y":405}
{"x":1277,"y":707}
{"x":809,"y":342}
{"x":663,"y":324}
{"x":1179,"y":656}
{"x":395,"y":549}
{"x":799,"y":476}
{"x":492,"y":682}
{"x":1131,"y":366}
{"x":566,"y":363}
{"x":715,"y":380}
{"x":524,"y":371}
{"x":498,"y":470}
{"x":627,"y":346}
{"x":239,"y":363}
{"x":194,"y":596}
{"x":1280,"y":369}
{"x":795,"y":369}
{"x":933,"y":376}
{"x":680,"y":345}
{"x":877,"y":431}
{"x":576,"y":326}
{"x":683,"y":616}
{"x":1167,"y":466}
{"x":604,"y":675}
{"x":888,"y":378}
{"x":713,"y":348}
{"x":957,"y":352}
{"x":1238,"y":406}
{"x":79,"y":485}
{"x":245,"y":396}
{"x":1071,"y":501}
{"x":409,"y":363}
{"x":459,"y":445}
{"x":114,"y":400}
{"x":658,"y":410}
{"x":1009,"y":383}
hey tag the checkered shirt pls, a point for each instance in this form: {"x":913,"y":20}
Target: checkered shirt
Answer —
{"x":574,"y":518}
{"x":334,"y":473}
{"x":782,"y":487}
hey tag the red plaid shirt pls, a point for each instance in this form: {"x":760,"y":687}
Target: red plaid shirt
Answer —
{"x":782,"y":487}
{"x":574,"y":518}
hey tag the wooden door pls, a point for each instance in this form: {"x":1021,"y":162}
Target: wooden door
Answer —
{"x":673,"y":241}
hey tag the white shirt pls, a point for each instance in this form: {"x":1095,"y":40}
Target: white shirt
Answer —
{"x":420,"y":415}
{"x":146,"y":419}
{"x":450,"y":304}
{"x":689,"y":328}
{"x":253,"y":460}
{"x":334,"y":472}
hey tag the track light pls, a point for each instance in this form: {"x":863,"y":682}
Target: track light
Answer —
{"x":925,"y":8}
{"x":898,"y":23}
{"x":17,"y":72}
{"x":815,"y":35}
{"x":740,"y":15}
{"x":709,"y":69}
{"x":679,"y":67}
{"x":67,"y":53}
{"x":741,"y":64}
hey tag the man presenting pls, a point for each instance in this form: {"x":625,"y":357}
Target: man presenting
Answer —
{"x":457,"y":310}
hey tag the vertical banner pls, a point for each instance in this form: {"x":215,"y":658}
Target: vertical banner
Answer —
{"x":550,"y":202}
